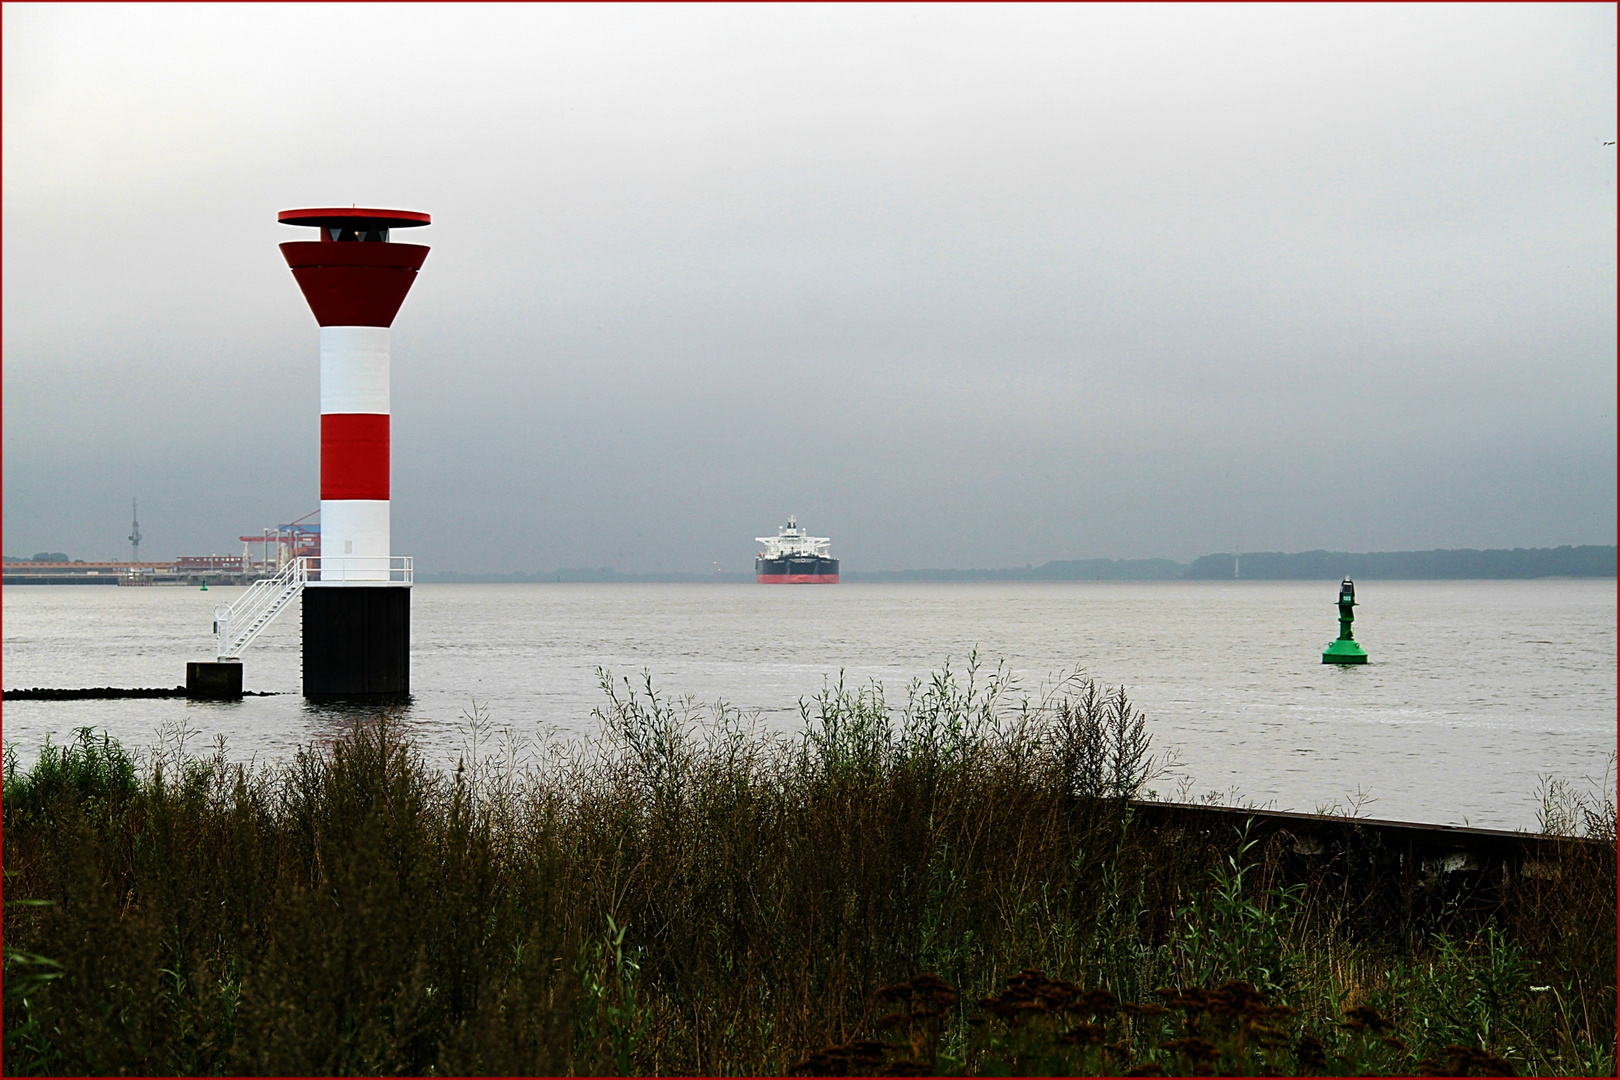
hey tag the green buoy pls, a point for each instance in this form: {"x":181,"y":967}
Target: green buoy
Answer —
{"x":205,"y":586}
{"x":1345,"y":650}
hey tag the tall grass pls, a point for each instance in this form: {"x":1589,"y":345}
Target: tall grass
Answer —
{"x":686,"y":893}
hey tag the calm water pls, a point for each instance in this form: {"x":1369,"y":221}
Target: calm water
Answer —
{"x":1476,"y":689}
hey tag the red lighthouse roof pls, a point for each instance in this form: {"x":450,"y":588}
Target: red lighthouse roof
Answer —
{"x":335,"y":217}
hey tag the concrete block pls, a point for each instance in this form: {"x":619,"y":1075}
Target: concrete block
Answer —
{"x":219,"y":681}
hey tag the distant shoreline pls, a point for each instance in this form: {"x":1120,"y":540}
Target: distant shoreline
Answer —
{"x":1460,"y":564}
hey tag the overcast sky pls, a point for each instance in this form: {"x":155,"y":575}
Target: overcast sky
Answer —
{"x":960,"y":286}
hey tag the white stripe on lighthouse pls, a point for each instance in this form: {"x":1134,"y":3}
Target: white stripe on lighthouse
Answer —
{"x":354,"y":369}
{"x":355,"y":540}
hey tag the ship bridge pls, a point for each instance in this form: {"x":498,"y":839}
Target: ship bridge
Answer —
{"x":790,"y":539}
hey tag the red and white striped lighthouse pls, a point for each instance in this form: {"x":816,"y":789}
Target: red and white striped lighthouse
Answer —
{"x":357,"y":609}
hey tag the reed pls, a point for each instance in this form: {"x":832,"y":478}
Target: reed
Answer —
{"x":953,"y":884}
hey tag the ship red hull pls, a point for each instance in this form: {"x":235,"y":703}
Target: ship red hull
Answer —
{"x":796,"y":570}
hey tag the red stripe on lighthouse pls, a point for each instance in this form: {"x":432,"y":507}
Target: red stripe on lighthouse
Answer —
{"x":354,"y":456}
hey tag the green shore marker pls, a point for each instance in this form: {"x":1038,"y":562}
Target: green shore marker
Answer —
{"x":1345,"y":650}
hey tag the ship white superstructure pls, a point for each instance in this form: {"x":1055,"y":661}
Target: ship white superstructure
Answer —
{"x":792,"y":540}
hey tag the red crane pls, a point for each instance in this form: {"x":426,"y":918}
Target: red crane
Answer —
{"x":301,"y":540}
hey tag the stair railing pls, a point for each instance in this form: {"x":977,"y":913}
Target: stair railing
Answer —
{"x":236,"y":625}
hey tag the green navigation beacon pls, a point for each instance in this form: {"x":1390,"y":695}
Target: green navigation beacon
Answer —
{"x":1345,"y":650}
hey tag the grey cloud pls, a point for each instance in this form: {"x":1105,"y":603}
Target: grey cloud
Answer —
{"x":1067,"y":282}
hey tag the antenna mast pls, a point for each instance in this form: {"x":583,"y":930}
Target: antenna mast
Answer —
{"x":134,"y":532}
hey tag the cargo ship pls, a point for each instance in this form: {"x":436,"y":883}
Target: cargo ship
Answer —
{"x":792,"y":557}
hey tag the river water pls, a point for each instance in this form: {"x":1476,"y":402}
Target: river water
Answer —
{"x":1476,"y":690}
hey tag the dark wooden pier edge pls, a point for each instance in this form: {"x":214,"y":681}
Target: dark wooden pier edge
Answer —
{"x":1409,"y":860}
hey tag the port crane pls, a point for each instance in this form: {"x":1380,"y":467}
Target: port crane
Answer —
{"x":294,"y":540}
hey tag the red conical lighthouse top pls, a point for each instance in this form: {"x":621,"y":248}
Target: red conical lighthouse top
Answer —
{"x":353,"y":275}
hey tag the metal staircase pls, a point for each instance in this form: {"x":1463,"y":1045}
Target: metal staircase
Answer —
{"x":236,"y":625}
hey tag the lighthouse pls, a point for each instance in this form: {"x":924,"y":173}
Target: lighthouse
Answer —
{"x":357,"y":599}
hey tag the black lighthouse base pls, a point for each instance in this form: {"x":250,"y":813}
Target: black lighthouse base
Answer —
{"x":357,"y":642}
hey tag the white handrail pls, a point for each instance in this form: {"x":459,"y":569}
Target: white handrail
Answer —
{"x":236,"y":625}
{"x":361,"y":570}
